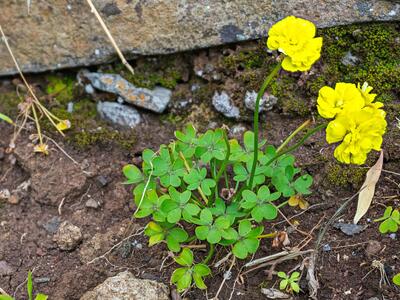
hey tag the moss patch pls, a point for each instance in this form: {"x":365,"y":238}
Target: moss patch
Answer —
{"x":339,"y":175}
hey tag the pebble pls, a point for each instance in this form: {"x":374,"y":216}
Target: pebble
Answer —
{"x":68,"y":236}
{"x":155,"y":100}
{"x":13,"y":199}
{"x":5,"y":268}
{"x":349,"y":229}
{"x":89,"y":89}
{"x":70,"y":107}
{"x":373,"y":248}
{"x":267,"y":102}
{"x":392,"y":236}
{"x":5,"y":194}
{"x":41,"y":280}
{"x":326,"y":248}
{"x":91,"y":203}
{"x":222,"y":103}
{"x":349,"y":59}
{"x":52,"y":225}
{"x":102,"y":180}
{"x":119,"y":114}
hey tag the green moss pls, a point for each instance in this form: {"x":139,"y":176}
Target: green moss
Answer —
{"x":340,"y":175}
{"x":377,"y":47}
{"x":9,"y":103}
{"x":61,"y":88}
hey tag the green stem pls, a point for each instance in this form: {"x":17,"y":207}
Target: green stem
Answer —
{"x":282,"y":204}
{"x":210,"y":254}
{"x":256,"y":112}
{"x":297,"y":145}
{"x":290,"y":137}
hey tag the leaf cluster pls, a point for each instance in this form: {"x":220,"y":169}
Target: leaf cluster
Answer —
{"x":179,"y":187}
{"x":390,"y":220}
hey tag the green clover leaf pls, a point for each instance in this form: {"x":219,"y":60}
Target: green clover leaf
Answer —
{"x":152,"y":205}
{"x":212,"y":230}
{"x":391,"y":220}
{"x":248,"y":242}
{"x":231,"y":212}
{"x":242,"y":173}
{"x":259,"y":204}
{"x":211,"y":145}
{"x":178,"y":206}
{"x":197,"y":178}
{"x":246,"y":153}
{"x":396,"y":279}
{"x":187,"y":141}
{"x":132,"y":174}
{"x":183,"y":277}
{"x":158,"y":232}
{"x":302,"y":184}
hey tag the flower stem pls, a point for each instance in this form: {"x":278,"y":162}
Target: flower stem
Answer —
{"x":256,"y":112}
{"x":294,"y":133}
{"x":210,"y":254}
{"x":267,"y":236}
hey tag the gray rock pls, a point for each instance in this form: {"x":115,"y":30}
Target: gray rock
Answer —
{"x":349,"y":229}
{"x":120,"y":114}
{"x":349,"y":59}
{"x":102,"y":180}
{"x":57,"y":40}
{"x":89,"y":89}
{"x":125,"y":286}
{"x":392,"y":236}
{"x":326,"y":248}
{"x":222,"y":103}
{"x":267,"y":102}
{"x":91,"y":203}
{"x":5,"y":194}
{"x":155,"y":100}
{"x":68,"y":236}
{"x":52,"y":225}
{"x":41,"y":280}
{"x":5,"y":268}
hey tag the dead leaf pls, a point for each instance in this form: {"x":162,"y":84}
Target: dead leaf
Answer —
{"x":368,"y":189}
{"x":275,"y":294}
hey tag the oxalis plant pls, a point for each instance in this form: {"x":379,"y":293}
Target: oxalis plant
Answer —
{"x":204,"y":188}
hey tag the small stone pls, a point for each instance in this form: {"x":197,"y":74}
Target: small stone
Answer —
{"x":236,"y":131}
{"x":267,"y":102}
{"x":91,"y":203}
{"x":102,"y":180}
{"x":52,"y":225}
{"x":349,"y":229}
{"x":125,"y":286}
{"x":373,"y":248}
{"x":326,"y":248}
{"x":5,"y":268}
{"x":89,"y":89}
{"x":70,"y":107}
{"x":119,"y":114}
{"x":68,"y":236}
{"x":222,"y":103}
{"x":5,"y":194}
{"x":155,"y":100}
{"x":392,"y":236}
{"x":41,"y":280}
{"x":349,"y":59}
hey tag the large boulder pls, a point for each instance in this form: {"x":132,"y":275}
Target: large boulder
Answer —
{"x":125,"y":286}
{"x":58,"y":33}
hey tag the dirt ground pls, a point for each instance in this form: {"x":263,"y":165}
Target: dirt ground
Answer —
{"x":60,"y":187}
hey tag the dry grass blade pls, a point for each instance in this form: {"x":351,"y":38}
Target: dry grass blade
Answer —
{"x":368,"y":189}
{"x":110,"y":37}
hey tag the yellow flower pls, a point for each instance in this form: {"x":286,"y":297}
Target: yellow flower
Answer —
{"x":64,"y":125}
{"x":345,"y":96}
{"x":297,"y":200}
{"x":360,"y":132}
{"x":41,"y":148}
{"x":295,"y":37}
{"x":368,"y":98}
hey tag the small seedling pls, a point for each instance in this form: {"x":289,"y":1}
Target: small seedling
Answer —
{"x":390,"y":220}
{"x":289,"y":283}
{"x":29,"y":287}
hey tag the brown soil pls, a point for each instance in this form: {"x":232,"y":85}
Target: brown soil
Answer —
{"x":344,"y":272}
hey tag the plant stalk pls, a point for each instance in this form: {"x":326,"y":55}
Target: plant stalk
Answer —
{"x":210,"y":254}
{"x":294,"y":133}
{"x":256,"y":113}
